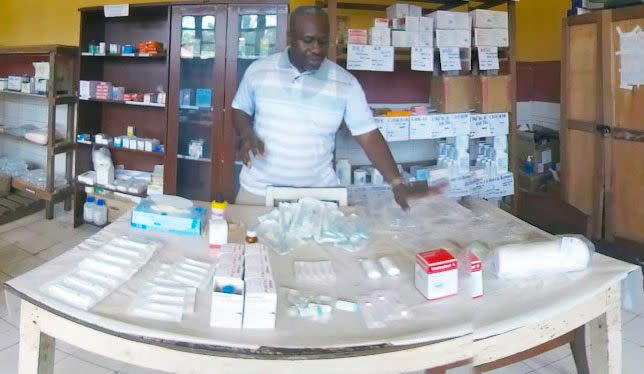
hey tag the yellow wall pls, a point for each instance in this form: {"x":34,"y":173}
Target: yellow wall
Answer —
{"x":57,"y":22}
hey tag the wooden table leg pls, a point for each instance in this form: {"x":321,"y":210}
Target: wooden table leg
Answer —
{"x":579,"y":350}
{"x":606,"y":336}
{"x":36,"y":349}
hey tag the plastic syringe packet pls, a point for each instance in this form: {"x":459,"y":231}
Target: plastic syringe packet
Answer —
{"x":103,"y":271}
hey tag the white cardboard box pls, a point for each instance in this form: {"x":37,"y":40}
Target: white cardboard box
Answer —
{"x":451,"y":20}
{"x":476,"y":276}
{"x":422,"y":39}
{"x":453,"y":38}
{"x":397,"y":11}
{"x":260,"y":304}
{"x":402,"y":39}
{"x":491,"y":38}
{"x":379,"y":36}
{"x":415,"y":10}
{"x":436,"y":274}
{"x":381,"y":22}
{"x":491,"y":19}
{"x":393,"y":129}
{"x":227,"y":308}
{"x":425,"y":24}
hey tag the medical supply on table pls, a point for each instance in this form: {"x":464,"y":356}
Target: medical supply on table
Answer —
{"x":103,"y":271}
{"x":376,"y":177}
{"x":88,"y":209}
{"x":564,"y":254}
{"x":347,"y":306}
{"x":476,"y":276}
{"x":292,"y":225}
{"x":370,"y":269}
{"x":436,"y":274}
{"x":260,"y":303}
{"x":380,"y":307}
{"x":389,"y":266}
{"x":343,"y":171}
{"x":100,"y":213}
{"x":251,"y":237}
{"x":311,"y":307}
{"x":314,"y":272}
{"x":227,"y":305}
{"x":164,"y":214}
{"x":217,"y":232}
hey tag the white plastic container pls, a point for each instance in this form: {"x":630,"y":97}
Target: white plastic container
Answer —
{"x":88,"y":209}
{"x":343,"y":171}
{"x":100,"y":213}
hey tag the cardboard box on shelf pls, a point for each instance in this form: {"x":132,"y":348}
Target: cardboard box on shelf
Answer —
{"x":117,"y":206}
{"x":451,"y":20}
{"x":397,"y":11}
{"x":541,"y":143}
{"x":492,"y":94}
{"x":461,"y":38}
{"x":379,"y":36}
{"x":491,"y":38}
{"x":357,"y":36}
{"x":425,"y":24}
{"x":401,"y":39}
{"x":452,"y":94}
{"x":485,"y":18}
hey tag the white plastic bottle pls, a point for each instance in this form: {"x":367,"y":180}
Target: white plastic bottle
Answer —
{"x":343,"y":171}
{"x":100,"y":213}
{"x":88,"y":210}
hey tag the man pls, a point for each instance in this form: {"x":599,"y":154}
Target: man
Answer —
{"x":297,"y":100}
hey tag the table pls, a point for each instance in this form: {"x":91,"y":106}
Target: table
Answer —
{"x":440,"y":335}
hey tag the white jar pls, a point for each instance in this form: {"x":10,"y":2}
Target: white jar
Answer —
{"x":88,"y":210}
{"x":100,"y":213}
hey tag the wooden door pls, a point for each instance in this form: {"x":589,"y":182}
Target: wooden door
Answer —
{"x":196,"y":99}
{"x":254,"y":31}
{"x":625,"y":147}
{"x":581,"y":113}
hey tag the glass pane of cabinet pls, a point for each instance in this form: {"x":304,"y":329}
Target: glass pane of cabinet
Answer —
{"x":196,"y":116}
{"x":257,"y":38}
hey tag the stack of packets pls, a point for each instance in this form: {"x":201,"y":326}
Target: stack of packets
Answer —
{"x":244,"y":293}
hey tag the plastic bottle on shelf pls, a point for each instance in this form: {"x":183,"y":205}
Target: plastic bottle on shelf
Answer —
{"x":100,"y":213}
{"x":88,"y":210}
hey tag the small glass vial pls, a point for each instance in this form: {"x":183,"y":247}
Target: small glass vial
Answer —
{"x":251,"y":237}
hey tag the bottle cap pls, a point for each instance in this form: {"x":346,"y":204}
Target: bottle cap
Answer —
{"x":90,"y":199}
{"x":222,"y":205}
{"x":251,"y":233}
{"x":100,"y":202}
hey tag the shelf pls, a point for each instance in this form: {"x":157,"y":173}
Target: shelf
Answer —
{"x":121,"y":149}
{"x":110,"y":189}
{"x":135,"y":103}
{"x":40,"y":193}
{"x":194,"y":107}
{"x":183,"y":157}
{"x":137,"y":56}
{"x":15,"y":93}
{"x":59,"y":147}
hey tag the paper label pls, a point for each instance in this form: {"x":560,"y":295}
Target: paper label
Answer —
{"x":488,"y":58}
{"x":546,"y":156}
{"x":382,"y":58}
{"x":631,"y":55}
{"x":116,"y":10}
{"x":420,"y":127}
{"x":450,"y":59}
{"x":489,"y":124}
{"x":358,"y":57}
{"x":459,"y":186}
{"x":499,"y":186}
{"x":422,"y":58}
{"x":393,"y":129}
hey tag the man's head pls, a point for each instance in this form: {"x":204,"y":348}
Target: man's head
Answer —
{"x":308,"y":37}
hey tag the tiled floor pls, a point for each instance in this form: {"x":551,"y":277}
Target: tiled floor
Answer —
{"x":29,"y":242}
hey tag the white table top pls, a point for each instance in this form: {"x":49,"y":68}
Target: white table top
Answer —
{"x":438,"y":222}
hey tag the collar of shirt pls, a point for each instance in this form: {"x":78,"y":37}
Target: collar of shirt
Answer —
{"x":285,"y":63}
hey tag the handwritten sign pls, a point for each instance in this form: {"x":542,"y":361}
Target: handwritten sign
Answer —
{"x":450,"y":59}
{"x":382,"y":58}
{"x":488,"y":58}
{"x":370,"y":57}
{"x":422,"y":58}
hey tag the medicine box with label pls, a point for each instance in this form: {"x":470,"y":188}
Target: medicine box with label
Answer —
{"x":393,"y":129}
{"x":446,"y":20}
{"x":476,"y":276}
{"x":381,"y":22}
{"x":453,"y":38}
{"x":422,"y":39}
{"x":357,"y":36}
{"x":491,"y":38}
{"x":491,"y":19}
{"x":407,"y":23}
{"x":401,"y":39}
{"x":397,"y":11}
{"x":227,"y":306}
{"x":379,"y":36}
{"x":436,"y":274}
{"x":260,"y":303}
{"x":425,"y":24}
{"x":188,"y":221}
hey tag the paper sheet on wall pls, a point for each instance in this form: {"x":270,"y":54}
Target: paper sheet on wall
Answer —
{"x":382,"y":58}
{"x":116,"y":10}
{"x":422,"y":58}
{"x":631,"y":54}
{"x":488,"y":58}
{"x":450,"y":59}
{"x":358,"y":57}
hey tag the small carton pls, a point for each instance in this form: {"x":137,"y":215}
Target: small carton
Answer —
{"x":227,"y":306}
{"x":379,"y":36}
{"x":491,"y":38}
{"x":446,"y":20}
{"x":260,"y":304}
{"x":489,"y":19}
{"x":453,"y":38}
{"x":87,"y":89}
{"x":415,"y":10}
{"x":436,"y":274}
{"x":492,"y":94}
{"x":422,"y":39}
{"x":452,"y":94}
{"x":425,"y":24}
{"x":476,"y":277}
{"x":381,"y":22}
{"x":406,"y":23}
{"x":357,"y":36}
{"x":397,"y":11}
{"x":402,"y":39}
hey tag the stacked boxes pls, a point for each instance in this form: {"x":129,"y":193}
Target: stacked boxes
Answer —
{"x":260,"y":305}
{"x":453,"y":29}
{"x":227,"y":306}
{"x":490,"y":28}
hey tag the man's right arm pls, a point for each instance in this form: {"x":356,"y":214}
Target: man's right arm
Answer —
{"x":249,"y":140}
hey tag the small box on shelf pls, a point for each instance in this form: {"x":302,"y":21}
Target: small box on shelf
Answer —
{"x":492,"y":94}
{"x":452,"y":94}
{"x":447,"y":20}
{"x":485,"y":18}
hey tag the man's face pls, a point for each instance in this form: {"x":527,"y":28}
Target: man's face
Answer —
{"x":309,"y":42}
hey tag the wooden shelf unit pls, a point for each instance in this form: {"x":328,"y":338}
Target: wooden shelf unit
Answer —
{"x":62,"y":89}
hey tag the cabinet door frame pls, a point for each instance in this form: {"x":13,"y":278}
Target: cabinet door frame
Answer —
{"x":225,"y":150}
{"x":567,"y":124}
{"x":219,"y":66}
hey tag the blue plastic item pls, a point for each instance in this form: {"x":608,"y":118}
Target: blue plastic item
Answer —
{"x":100,"y":202}
{"x":90,"y":199}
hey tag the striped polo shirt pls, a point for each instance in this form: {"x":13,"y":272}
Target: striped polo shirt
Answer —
{"x":296,"y":115}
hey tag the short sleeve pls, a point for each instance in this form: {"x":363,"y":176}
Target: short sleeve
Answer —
{"x":245,"y":98}
{"x":357,"y":114}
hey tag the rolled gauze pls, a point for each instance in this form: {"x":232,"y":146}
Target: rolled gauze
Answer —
{"x":519,"y":260}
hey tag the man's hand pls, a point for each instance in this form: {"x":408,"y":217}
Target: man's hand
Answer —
{"x":251,"y":143}
{"x":403,"y":193}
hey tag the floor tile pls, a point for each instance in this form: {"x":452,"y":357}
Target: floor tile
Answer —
{"x":633,"y":331}
{"x":632,"y":358}
{"x":16,"y":235}
{"x":55,"y":230}
{"x":20,"y":267}
{"x":563,"y":366}
{"x":10,"y":254}
{"x":9,"y":360}
{"x":54,"y":251}
{"x":35,"y":243}
{"x":627,"y":317}
{"x":517,"y":368}
{"x":131,"y":369}
{"x":98,"y":359}
{"x":72,"y":364}
{"x":8,"y":335}
{"x":549,"y":357}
